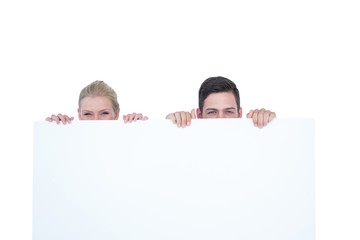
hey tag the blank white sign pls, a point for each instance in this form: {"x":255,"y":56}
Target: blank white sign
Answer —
{"x":217,"y":179}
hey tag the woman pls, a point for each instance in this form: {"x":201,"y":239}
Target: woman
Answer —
{"x":97,"y":101}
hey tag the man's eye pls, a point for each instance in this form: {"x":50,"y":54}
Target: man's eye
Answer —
{"x":211,"y":112}
{"x":229,"y":112}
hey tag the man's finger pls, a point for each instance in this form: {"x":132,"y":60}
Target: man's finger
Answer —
{"x":250,"y":114}
{"x":255,"y":117}
{"x":193,"y":114}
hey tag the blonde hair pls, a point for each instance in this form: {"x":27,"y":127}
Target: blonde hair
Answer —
{"x":100,"y":88}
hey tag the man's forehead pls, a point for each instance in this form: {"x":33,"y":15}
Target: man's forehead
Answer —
{"x":220,"y":100}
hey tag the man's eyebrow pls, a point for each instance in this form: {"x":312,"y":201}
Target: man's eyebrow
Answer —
{"x":230,"y":108}
{"x":211,"y":109}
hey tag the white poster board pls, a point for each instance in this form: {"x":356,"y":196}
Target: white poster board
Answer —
{"x":217,"y":179}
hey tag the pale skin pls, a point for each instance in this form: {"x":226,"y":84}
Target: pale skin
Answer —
{"x":221,"y":105}
{"x":96,"y":108}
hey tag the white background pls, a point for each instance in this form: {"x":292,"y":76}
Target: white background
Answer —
{"x":84,"y":188}
{"x":297,"y":58}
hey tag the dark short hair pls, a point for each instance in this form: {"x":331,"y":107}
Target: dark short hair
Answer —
{"x":217,"y":85}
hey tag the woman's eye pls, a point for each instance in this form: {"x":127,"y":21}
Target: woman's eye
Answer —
{"x":87,"y":114}
{"x":105,"y":113}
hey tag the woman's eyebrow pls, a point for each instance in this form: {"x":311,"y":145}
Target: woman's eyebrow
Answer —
{"x":101,"y":110}
{"x":84,"y":110}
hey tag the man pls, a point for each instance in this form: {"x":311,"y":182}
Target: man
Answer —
{"x":220,"y":98}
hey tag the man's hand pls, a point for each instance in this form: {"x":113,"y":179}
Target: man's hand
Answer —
{"x":261,"y":117}
{"x":181,"y":118}
{"x":60,"y":118}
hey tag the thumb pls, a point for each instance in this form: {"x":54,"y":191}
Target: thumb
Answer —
{"x":193,"y":115}
{"x":249,"y":114}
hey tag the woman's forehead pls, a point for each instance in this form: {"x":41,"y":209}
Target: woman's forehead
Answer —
{"x":96,"y":102}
